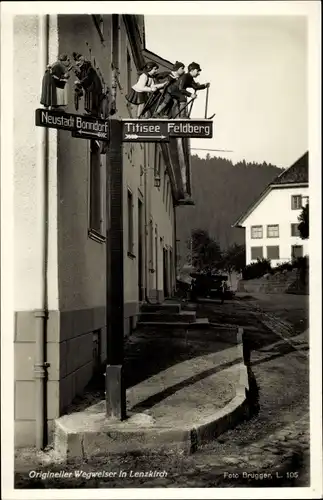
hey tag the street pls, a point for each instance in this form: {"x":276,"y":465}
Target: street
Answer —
{"x":270,"y":449}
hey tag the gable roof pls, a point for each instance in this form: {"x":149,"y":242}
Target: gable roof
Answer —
{"x":151,"y":56}
{"x":295,"y":175}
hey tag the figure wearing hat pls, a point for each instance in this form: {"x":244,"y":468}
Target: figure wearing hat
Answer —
{"x":169,"y":92}
{"x":53,"y":93}
{"x":163,"y":95}
{"x":145,"y":85}
{"x":88,"y":83}
{"x":186,"y":81}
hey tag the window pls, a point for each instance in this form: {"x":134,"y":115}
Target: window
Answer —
{"x":167,"y":193}
{"x":297,"y":251}
{"x":294,"y":231}
{"x":129,"y":70}
{"x":157,"y":163}
{"x":115,"y":41}
{"x":96,"y":187}
{"x":273,"y":252}
{"x":256,"y":253}
{"x":164,"y":184}
{"x":170,"y":200}
{"x":130,"y":223}
{"x":151,"y":244}
{"x":273,"y":231}
{"x":256,"y":232}
{"x":296,"y":202}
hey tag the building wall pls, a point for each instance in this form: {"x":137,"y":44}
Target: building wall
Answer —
{"x":139,"y":162}
{"x":275,"y":208}
{"x":133,"y":157}
{"x":82,"y":259}
{"x":28,"y":223}
{"x":76,"y":327}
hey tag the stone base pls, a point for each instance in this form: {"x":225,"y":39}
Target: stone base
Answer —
{"x":86,"y":434}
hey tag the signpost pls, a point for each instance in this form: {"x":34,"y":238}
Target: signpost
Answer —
{"x":153,"y":130}
{"x":115,"y":132}
{"x":82,"y":126}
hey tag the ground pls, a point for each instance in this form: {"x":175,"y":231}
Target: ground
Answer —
{"x":270,"y":449}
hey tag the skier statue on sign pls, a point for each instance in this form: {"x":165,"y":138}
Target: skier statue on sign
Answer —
{"x":179,"y":93}
{"x":164,"y":95}
{"x":145,"y":86}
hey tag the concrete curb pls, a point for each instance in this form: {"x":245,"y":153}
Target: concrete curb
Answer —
{"x":96,"y":436}
{"x":157,"y":440}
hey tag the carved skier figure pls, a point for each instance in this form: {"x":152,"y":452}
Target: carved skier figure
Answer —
{"x":163,"y":98}
{"x":145,"y":85}
{"x":53,"y":93}
{"x":179,"y":91}
{"x":89,"y":82}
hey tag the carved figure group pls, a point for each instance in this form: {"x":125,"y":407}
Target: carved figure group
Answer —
{"x":53,"y":94}
{"x":97,"y":101}
{"x":165,"y":94}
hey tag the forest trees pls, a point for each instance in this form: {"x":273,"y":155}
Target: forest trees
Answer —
{"x":234,"y":258}
{"x":205,"y":254}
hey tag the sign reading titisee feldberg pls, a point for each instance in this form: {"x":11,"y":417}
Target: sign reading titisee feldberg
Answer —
{"x":86,"y":127}
{"x":161,"y":130}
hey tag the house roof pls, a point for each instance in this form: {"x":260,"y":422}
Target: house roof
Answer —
{"x":151,"y":56}
{"x":295,"y":175}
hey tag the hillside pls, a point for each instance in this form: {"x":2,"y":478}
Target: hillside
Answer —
{"x":221,"y":192}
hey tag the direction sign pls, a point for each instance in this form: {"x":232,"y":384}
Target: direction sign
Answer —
{"x":146,"y":138}
{"x":161,"y":130}
{"x":83,"y":126}
{"x":99,"y":136}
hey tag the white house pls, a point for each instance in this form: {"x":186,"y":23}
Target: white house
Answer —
{"x":271,"y":222}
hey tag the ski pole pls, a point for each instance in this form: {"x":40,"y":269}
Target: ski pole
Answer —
{"x":206,"y":102}
{"x":190,"y":111}
{"x":186,"y":105}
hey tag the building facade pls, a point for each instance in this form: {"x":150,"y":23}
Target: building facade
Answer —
{"x":62,"y":224}
{"x":271,"y":223}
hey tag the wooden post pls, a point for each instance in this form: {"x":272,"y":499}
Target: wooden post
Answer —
{"x":115,"y":388}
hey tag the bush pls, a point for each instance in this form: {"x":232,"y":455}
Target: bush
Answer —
{"x":301,"y":263}
{"x":302,"y":266}
{"x":285,"y":266}
{"x":257,"y":269}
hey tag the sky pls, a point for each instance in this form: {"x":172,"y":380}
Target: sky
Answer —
{"x":257,"y":67}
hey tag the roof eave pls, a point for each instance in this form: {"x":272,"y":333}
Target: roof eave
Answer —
{"x":156,"y":58}
{"x":244,"y":216}
{"x":289,"y":185}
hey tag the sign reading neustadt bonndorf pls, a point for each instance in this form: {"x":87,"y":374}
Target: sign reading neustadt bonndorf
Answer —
{"x":161,"y":130}
{"x":87,"y":127}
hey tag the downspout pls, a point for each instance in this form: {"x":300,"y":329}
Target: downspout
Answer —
{"x":175,"y":249}
{"x":41,"y":314}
